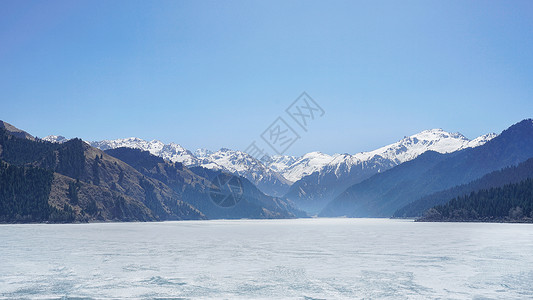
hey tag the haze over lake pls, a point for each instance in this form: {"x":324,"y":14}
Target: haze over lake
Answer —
{"x":300,"y":258}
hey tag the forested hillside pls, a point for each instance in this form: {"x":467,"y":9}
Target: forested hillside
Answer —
{"x":510,"y":203}
{"x":24,"y":193}
{"x":74,"y":182}
{"x":513,"y":174}
{"x":83,"y":184}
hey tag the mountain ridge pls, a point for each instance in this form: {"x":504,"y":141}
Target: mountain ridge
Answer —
{"x":87,"y":184}
{"x":381,"y":194}
{"x":314,"y":191}
{"x":283,"y":171}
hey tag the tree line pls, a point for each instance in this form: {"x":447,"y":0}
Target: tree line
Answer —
{"x":510,"y":203}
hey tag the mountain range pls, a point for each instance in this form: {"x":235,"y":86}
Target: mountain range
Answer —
{"x":135,"y":179}
{"x":382,"y":194}
{"x":312,"y":180}
{"x":312,"y":192}
{"x":75,"y":182}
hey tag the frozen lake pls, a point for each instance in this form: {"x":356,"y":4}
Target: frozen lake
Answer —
{"x":302,"y":259}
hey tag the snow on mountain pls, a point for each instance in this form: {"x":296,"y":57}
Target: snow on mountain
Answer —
{"x":481,"y":140}
{"x":404,"y":150}
{"x":233,"y":161}
{"x":313,"y":190}
{"x":242,"y":164}
{"x":202,"y":152}
{"x":236,"y":162}
{"x":305,"y":165}
{"x":410,"y":147}
{"x":280,"y":163}
{"x":132,"y":142}
{"x":172,"y":152}
{"x":176,"y":153}
{"x":55,"y":139}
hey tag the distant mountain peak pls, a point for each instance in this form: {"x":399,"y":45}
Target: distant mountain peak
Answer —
{"x":410,"y":147}
{"x":306,"y":165}
{"x":202,"y":152}
{"x":55,"y":139}
{"x":438,"y":133}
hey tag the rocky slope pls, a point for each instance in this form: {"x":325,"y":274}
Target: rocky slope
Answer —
{"x":87,"y":184}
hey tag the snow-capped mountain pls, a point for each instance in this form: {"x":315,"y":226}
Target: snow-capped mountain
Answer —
{"x":242,"y":164}
{"x":176,"y":153}
{"x":132,"y":142}
{"x":55,"y":139}
{"x":202,"y":152}
{"x":295,"y":168}
{"x":280,"y":163}
{"x":481,"y":140}
{"x":236,"y":162}
{"x":172,"y":152}
{"x":331,"y":177}
{"x":436,"y":140}
{"x":305,"y":165}
{"x":404,"y":150}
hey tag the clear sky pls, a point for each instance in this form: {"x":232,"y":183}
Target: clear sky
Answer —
{"x":218,"y":73}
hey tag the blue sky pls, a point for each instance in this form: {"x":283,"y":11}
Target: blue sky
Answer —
{"x":217,"y":73}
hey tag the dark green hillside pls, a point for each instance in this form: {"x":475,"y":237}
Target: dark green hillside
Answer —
{"x":24,"y":193}
{"x":499,"y":178}
{"x":87,"y":185}
{"x":19,"y":151}
{"x":510,"y":203}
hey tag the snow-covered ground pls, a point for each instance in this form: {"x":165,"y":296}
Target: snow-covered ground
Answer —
{"x":303,"y":258}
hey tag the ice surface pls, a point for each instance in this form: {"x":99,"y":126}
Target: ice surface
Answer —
{"x":302,"y":259}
